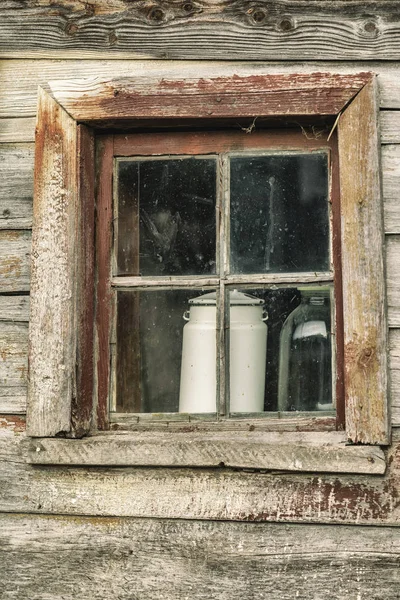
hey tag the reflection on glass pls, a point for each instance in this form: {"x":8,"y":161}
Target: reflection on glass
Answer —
{"x":305,"y":363}
{"x":150,"y":328}
{"x":279,"y":220}
{"x":166,"y":216}
{"x":268,"y":372}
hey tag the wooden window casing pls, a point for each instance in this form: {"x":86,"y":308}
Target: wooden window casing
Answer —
{"x":61,"y":376}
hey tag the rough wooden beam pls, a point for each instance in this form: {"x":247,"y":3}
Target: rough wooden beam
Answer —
{"x":52,"y":354}
{"x":193,"y":97}
{"x":203,"y":29}
{"x":322,"y":452}
{"x":364,"y":290}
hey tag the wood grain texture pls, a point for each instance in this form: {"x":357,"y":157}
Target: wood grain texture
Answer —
{"x":394,"y":361}
{"x":16,"y":189}
{"x":104,"y":240}
{"x":19,"y":79}
{"x":365,"y":319}
{"x":390,"y":126}
{"x":14,"y":315}
{"x":281,"y":29}
{"x":393,"y":279}
{"x":323,"y":452}
{"x":15,"y":269}
{"x":84,"y":248}
{"x":13,"y":364}
{"x":216,"y":494}
{"x":17,"y":130}
{"x":111,"y":558}
{"x":14,"y":308}
{"x":52,"y":334}
{"x":317,"y":93}
{"x":391,"y":181}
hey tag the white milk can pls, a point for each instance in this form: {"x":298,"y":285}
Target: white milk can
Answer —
{"x":248,"y":348}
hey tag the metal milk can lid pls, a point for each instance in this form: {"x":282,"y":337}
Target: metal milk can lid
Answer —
{"x":236,"y":299}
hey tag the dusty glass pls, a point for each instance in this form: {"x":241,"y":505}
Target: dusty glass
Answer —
{"x":279,"y":219}
{"x":166,"y":216}
{"x":162,"y":349}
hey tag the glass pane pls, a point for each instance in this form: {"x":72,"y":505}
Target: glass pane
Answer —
{"x":166,"y":352}
{"x":166,"y":216}
{"x":279,"y":218}
{"x":280,"y":350}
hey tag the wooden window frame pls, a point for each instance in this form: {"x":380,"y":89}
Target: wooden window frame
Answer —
{"x":61,"y":339}
{"x":220,"y":143}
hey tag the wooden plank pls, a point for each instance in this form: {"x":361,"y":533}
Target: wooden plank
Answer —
{"x":104,"y":558}
{"x":390,"y":126}
{"x":393,"y":279}
{"x":52,"y":335}
{"x":391,"y":182}
{"x":283,"y":30}
{"x":365,"y":326}
{"x":14,"y":260}
{"x":17,"y":130}
{"x":14,"y":308}
{"x":218,"y":494}
{"x":13,"y":366}
{"x":16,"y":189}
{"x":323,"y":452}
{"x":12,"y":403}
{"x":92,"y":99}
{"x":104,"y":240}
{"x":14,"y":315}
{"x":394,"y":361}
{"x":82,"y":401}
{"x":19,"y":79}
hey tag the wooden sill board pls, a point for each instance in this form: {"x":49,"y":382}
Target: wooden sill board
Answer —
{"x":300,"y":452}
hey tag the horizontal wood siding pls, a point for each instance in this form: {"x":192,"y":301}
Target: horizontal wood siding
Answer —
{"x":237,"y":29}
{"x":109,"y":558}
{"x":182,"y":493}
{"x":19,"y":79}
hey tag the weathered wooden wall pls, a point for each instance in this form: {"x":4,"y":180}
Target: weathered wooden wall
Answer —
{"x":179,"y":533}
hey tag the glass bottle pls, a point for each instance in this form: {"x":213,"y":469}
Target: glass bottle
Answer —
{"x":305,"y":359}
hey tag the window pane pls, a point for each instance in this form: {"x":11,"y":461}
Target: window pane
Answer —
{"x":153,"y":375}
{"x":166,"y":216}
{"x":279,"y":218}
{"x":280,"y":350}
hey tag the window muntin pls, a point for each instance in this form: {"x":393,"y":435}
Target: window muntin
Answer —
{"x":287,"y":207}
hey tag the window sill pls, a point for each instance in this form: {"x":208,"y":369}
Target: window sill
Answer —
{"x":325,"y":452}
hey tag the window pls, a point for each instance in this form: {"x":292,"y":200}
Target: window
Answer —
{"x":241,"y":221}
{"x":63,"y":381}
